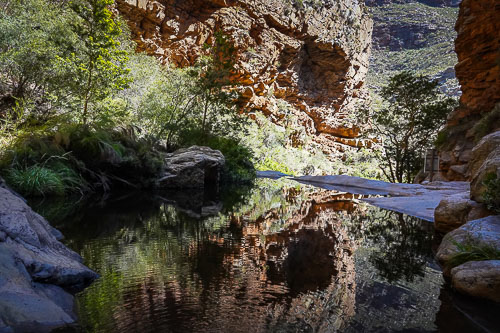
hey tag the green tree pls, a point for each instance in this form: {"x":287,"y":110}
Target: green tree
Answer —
{"x":98,"y":65}
{"x":195,"y":104}
{"x":216,"y":94}
{"x":413,"y":112}
{"x":168,"y":106}
{"x":33,"y":35}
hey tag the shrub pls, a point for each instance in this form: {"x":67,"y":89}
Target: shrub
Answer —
{"x":36,"y":180}
{"x":473,"y":251}
{"x":81,"y":158}
{"x":491,"y":196}
{"x":487,"y":124}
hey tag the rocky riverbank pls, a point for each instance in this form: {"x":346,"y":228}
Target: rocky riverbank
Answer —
{"x":38,"y":273}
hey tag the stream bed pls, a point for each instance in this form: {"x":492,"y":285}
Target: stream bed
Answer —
{"x":274,"y":257}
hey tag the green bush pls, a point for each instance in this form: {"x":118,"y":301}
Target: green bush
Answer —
{"x":37,"y":180}
{"x":491,"y":196}
{"x":82,"y":158}
{"x":487,"y":124}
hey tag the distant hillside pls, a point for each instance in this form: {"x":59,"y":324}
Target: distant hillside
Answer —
{"x":411,"y":35}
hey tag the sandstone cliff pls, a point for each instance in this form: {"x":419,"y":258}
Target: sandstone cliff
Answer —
{"x":478,"y":71}
{"x":313,"y":55}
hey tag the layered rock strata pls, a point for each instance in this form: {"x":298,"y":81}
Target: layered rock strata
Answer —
{"x":35,"y":270}
{"x":313,"y":56}
{"x":478,"y":71}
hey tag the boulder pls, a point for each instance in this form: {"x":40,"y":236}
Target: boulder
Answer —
{"x":36,"y":270}
{"x":478,"y":279}
{"x":485,"y":231}
{"x":485,"y":160}
{"x":193,"y":167}
{"x":454,"y":211}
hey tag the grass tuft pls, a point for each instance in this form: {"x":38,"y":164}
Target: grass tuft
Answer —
{"x":473,"y":251}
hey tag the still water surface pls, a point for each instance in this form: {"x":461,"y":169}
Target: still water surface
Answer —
{"x":276,"y":257}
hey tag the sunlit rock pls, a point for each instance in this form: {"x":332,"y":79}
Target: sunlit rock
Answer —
{"x":314,"y":56}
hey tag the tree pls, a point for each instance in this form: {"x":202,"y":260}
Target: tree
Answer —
{"x":413,"y":112}
{"x":33,"y":35}
{"x":216,"y":94}
{"x":168,"y":106}
{"x":98,"y":65}
{"x":195,"y":104}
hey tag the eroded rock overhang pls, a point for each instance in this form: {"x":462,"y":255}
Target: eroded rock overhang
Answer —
{"x":314,"y":57}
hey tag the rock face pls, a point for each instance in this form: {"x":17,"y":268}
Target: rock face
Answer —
{"x":313,"y":56}
{"x":478,"y":71}
{"x":434,"y":3}
{"x":35,"y":267}
{"x":193,"y":167}
{"x":407,"y":34}
{"x":485,"y":160}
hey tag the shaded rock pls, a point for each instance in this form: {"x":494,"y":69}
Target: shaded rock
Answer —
{"x":455,"y":211}
{"x":485,"y":160}
{"x":485,"y":231}
{"x":478,"y":279}
{"x":35,"y":268}
{"x":193,"y":167}
{"x":478,"y":72}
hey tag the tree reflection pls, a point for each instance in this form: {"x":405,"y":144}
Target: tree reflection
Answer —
{"x":402,"y":244}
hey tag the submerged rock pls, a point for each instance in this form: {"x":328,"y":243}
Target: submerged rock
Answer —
{"x":35,"y":267}
{"x":193,"y":167}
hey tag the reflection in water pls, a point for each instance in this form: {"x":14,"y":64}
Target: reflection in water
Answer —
{"x":278,"y":257}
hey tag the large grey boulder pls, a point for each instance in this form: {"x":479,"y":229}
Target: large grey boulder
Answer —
{"x":193,"y":167}
{"x":478,"y":278}
{"x":485,"y":231}
{"x":474,"y":278}
{"x":36,"y":270}
{"x":485,"y":160}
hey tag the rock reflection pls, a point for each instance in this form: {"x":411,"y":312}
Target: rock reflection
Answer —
{"x":280,"y":260}
{"x":278,"y":257}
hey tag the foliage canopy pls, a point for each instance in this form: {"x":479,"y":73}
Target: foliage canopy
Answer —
{"x":413,"y":112}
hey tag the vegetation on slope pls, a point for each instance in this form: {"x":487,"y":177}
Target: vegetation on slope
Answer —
{"x":421,"y":39}
{"x":79,"y":110}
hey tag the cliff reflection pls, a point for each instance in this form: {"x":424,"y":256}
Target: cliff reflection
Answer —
{"x":278,"y":257}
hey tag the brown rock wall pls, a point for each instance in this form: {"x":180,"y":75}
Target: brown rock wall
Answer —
{"x":314,"y":57}
{"x":478,"y":71}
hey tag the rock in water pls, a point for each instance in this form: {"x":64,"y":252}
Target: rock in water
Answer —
{"x":35,"y":267}
{"x":485,"y":231}
{"x":478,"y":278}
{"x":193,"y":167}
